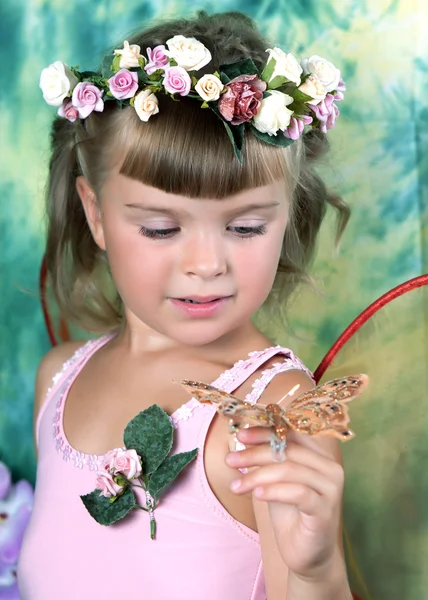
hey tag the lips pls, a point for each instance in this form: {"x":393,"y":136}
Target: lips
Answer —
{"x":201,"y":299}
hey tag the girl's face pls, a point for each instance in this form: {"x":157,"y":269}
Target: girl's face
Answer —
{"x":190,"y":269}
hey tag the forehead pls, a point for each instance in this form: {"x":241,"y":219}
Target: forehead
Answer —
{"x":124,"y":190}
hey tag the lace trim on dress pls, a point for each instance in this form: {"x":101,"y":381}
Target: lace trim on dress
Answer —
{"x":227,"y":381}
{"x":290,"y":362}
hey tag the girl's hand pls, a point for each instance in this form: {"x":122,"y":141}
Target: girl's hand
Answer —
{"x":304,"y":495}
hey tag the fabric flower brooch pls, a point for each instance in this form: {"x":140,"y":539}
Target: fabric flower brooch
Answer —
{"x":142,"y":464}
{"x":275,"y":104}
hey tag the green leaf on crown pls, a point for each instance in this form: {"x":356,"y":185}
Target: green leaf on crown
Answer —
{"x":106,"y":70}
{"x":106,"y":512}
{"x":150,"y":434}
{"x":299,"y":96}
{"x":141,"y":62}
{"x":274,"y":140}
{"x":115,"y":65}
{"x":268,"y":70}
{"x":168,"y":471}
{"x":244,"y":67}
{"x":277,"y":82}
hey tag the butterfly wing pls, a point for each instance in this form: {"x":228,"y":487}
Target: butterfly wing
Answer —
{"x":240,"y":413}
{"x":323,"y":410}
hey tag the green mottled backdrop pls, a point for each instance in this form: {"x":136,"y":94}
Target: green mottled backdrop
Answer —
{"x":378,"y":162}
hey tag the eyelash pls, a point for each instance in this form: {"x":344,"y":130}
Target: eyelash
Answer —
{"x":160,"y":234}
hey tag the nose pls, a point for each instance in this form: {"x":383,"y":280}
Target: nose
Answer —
{"x":204,"y":256}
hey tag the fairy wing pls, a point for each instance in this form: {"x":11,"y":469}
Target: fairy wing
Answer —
{"x":323,"y":410}
{"x":242,"y":414}
{"x":386,"y":491}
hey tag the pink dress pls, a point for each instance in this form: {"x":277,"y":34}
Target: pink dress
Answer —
{"x":200,"y":551}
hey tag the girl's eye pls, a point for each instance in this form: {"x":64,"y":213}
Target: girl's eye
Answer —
{"x":158,"y":234}
{"x":247,"y":232}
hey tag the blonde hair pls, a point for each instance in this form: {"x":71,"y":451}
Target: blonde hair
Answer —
{"x":184,"y":150}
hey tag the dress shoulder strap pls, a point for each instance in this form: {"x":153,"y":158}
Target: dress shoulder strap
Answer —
{"x":230,"y":380}
{"x":70,"y":369}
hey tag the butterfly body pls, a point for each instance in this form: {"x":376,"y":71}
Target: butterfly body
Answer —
{"x":320,"y":411}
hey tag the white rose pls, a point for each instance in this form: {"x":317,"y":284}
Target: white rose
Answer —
{"x":274,"y":114}
{"x":324,"y":70}
{"x":286,"y":65}
{"x":129,"y":55}
{"x":56,"y":83}
{"x":209,"y":88}
{"x":188,"y":53}
{"x":314,"y":88}
{"x":146,"y":104}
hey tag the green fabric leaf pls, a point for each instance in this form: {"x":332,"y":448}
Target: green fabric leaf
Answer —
{"x":115,"y":65}
{"x":106,"y":70}
{"x":268,"y":70}
{"x":275,"y":140}
{"x":168,"y":471}
{"x":150,"y":434}
{"x":299,"y":96}
{"x":106,"y":512}
{"x":277,"y":82}
{"x":244,"y":67}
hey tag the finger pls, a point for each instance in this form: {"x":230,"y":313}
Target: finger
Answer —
{"x":323,"y":445}
{"x":305,"y":499}
{"x":285,"y":474}
{"x":261,"y":455}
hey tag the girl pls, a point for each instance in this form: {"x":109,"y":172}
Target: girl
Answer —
{"x":195,"y":216}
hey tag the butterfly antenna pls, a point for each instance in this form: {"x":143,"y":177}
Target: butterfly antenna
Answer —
{"x":290,"y":393}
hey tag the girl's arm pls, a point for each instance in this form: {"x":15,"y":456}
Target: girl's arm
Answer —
{"x":299,"y":518}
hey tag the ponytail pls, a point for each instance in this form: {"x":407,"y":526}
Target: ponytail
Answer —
{"x":75,"y":264}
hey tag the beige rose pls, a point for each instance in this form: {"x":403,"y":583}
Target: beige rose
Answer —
{"x":129,"y":55}
{"x":209,"y":88}
{"x":188,"y":53}
{"x":56,"y":83}
{"x":314,"y":88}
{"x":324,"y":70}
{"x":286,"y":65}
{"x":146,"y":104}
{"x":274,"y":115}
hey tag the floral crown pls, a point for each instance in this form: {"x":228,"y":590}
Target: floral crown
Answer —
{"x":276,"y":104}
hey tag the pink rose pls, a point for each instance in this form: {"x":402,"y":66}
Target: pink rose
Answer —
{"x":242,"y":100}
{"x":86,"y":98}
{"x":326,"y":112}
{"x":107,"y":485}
{"x":68,"y":111}
{"x":296,"y":127}
{"x":177,"y":81}
{"x":340,"y":91}
{"x":124,"y":84}
{"x":157,"y":59}
{"x":125,"y":462}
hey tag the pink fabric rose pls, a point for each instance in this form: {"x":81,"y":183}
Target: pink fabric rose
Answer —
{"x":68,"y":111}
{"x":125,"y":462}
{"x":157,"y":59}
{"x":107,"y":485}
{"x":86,"y":98}
{"x":177,"y":81}
{"x":296,"y":127}
{"x":242,"y":100}
{"x":326,"y":112}
{"x":124,"y":84}
{"x":340,"y":91}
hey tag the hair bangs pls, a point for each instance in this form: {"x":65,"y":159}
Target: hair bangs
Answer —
{"x":185,"y":150}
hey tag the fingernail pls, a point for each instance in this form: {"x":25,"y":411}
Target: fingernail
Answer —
{"x":258,"y":492}
{"x":235,"y":485}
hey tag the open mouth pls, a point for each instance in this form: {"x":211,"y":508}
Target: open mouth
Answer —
{"x":189,"y":301}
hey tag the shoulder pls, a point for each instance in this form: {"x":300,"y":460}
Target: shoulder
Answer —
{"x":49,"y":366}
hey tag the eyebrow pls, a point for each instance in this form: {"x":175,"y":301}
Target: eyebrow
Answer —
{"x":239,"y":210}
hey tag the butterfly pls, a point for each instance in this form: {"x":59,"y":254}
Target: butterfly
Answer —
{"x":320,"y":411}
